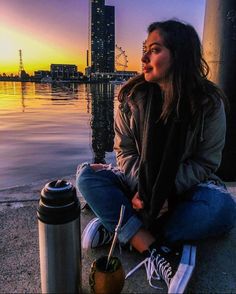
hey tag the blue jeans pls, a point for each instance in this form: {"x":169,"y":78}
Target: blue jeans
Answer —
{"x":209,"y":212}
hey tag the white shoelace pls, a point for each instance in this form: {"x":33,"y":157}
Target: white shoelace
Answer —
{"x":157,"y":268}
{"x":107,"y":236}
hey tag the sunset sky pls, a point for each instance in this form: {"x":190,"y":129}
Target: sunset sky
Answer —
{"x":56,"y":31}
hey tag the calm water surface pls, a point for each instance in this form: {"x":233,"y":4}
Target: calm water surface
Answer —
{"x":46,"y":130}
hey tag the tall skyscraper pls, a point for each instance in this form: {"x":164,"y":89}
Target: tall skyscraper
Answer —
{"x":102,"y":36}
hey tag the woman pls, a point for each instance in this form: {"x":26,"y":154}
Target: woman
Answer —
{"x":169,"y":135}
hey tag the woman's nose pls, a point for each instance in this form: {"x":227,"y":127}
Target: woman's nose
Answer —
{"x":145,"y":57}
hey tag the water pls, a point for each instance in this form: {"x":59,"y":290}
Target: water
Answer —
{"x":47,"y":130}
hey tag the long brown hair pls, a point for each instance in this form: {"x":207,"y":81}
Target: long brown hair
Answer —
{"x":188,"y":77}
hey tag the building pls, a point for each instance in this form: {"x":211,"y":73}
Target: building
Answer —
{"x":117,"y":76}
{"x":63,"y":71}
{"x":109,"y":44}
{"x":39,"y":74}
{"x":102,"y":37}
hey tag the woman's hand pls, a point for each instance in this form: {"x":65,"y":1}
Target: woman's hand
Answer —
{"x":137,"y":202}
{"x":99,"y":166}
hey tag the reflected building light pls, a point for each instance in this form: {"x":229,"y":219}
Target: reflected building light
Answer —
{"x":102,"y":120}
{"x":23,"y":96}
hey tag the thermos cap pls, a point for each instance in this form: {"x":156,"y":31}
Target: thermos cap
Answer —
{"x":58,"y":203}
{"x":58,"y":186}
{"x":58,"y":193}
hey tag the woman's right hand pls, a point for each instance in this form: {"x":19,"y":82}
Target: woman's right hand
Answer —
{"x":137,"y":202}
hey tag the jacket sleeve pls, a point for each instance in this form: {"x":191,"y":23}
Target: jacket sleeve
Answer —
{"x":206,"y":159}
{"x":127,"y":155}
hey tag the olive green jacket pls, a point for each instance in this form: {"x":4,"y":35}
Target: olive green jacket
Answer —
{"x":203,"y":147}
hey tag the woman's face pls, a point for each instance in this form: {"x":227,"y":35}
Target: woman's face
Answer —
{"x":156,"y":59}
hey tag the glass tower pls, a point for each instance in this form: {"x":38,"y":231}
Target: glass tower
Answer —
{"x":102,"y":36}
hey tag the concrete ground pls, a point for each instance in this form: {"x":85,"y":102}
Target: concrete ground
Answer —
{"x":215,"y":270}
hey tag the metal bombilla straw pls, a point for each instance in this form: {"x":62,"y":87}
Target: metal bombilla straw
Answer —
{"x":122,"y":211}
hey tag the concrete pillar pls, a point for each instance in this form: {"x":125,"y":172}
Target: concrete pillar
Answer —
{"x":219,"y":45}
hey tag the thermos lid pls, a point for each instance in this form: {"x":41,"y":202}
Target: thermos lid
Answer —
{"x":58,"y":186}
{"x":58,"y":203}
{"x":58,"y":193}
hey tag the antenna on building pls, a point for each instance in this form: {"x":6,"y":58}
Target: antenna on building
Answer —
{"x":21,"y":67}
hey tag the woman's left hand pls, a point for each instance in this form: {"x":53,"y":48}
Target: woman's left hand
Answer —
{"x":137,"y":202}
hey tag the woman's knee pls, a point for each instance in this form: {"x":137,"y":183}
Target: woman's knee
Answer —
{"x":225,"y":215}
{"x":90,"y":181}
{"x":83,"y":175}
{"x":221,"y":206}
{"x":229,"y":212}
{"x":210,"y":212}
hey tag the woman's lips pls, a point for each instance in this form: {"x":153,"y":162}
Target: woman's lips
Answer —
{"x":147,"y":69}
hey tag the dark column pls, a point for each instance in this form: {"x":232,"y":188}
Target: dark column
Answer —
{"x":219,"y":44}
{"x":102,"y":121}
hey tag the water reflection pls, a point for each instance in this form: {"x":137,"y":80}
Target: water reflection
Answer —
{"x":67,"y":90}
{"x":102,"y":119}
{"x":46,"y":131}
{"x":23,"y":89}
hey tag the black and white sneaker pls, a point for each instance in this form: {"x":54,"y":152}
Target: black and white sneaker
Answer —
{"x":168,"y":265}
{"x":95,"y":235}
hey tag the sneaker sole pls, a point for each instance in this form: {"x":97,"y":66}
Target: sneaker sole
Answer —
{"x":86,"y":242}
{"x":181,"y":278}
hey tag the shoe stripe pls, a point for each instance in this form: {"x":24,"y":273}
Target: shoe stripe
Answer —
{"x":193,"y":255}
{"x":186,"y":253}
{"x":85,"y":240}
{"x":88,"y":226}
{"x":185,"y":270}
{"x":180,"y":279}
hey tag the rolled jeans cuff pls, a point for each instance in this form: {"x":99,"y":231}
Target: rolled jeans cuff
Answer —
{"x":129,"y":229}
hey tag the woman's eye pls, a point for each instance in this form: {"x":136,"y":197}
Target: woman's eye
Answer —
{"x":152,"y":50}
{"x":155,"y":50}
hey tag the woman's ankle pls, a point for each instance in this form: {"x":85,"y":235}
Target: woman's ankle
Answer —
{"x":142,"y":240}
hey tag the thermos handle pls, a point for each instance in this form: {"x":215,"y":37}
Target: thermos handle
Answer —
{"x":58,"y":183}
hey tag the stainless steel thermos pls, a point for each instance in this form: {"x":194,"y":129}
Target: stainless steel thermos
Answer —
{"x":59,"y":238}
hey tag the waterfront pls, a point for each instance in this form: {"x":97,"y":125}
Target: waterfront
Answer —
{"x":46,"y":130}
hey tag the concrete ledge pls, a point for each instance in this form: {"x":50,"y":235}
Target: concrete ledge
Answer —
{"x":19,"y":272}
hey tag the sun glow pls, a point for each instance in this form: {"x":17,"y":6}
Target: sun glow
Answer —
{"x":37,"y":54}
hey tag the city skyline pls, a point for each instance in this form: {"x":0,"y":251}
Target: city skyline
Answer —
{"x":57,"y":31}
